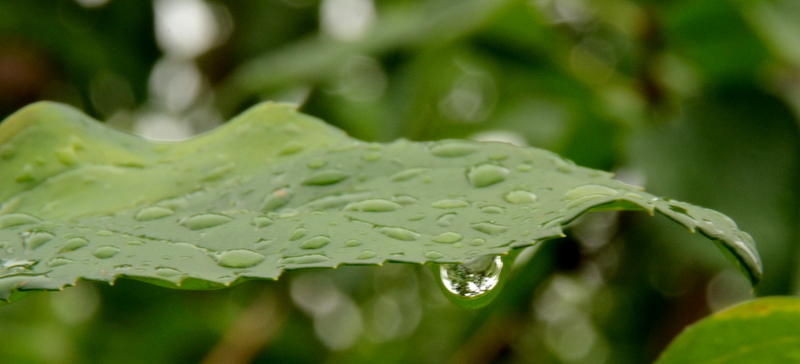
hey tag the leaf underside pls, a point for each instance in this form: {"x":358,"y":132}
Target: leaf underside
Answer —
{"x":276,"y":190}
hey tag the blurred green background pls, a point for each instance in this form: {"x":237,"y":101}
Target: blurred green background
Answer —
{"x":697,"y":100}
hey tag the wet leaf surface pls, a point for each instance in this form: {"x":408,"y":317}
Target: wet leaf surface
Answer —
{"x":275,"y":190}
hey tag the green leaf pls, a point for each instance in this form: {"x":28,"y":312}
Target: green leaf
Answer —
{"x":275,"y":190}
{"x":766,"y":330}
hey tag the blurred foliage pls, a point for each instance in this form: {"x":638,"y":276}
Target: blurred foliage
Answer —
{"x":697,"y":100}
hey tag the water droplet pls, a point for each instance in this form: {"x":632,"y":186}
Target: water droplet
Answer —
{"x":58,"y":261}
{"x":352,"y":242}
{"x":562,"y":165}
{"x":448,"y":238}
{"x":589,"y":190}
{"x":407,"y":174}
{"x":15,"y":262}
{"x":452,"y":149}
{"x":305,"y":259}
{"x":367,"y":254}
{"x":277,"y":199}
{"x":373,"y":205}
{"x":489,"y":228}
{"x":317,"y":163}
{"x":66,"y":156}
{"x":105,"y":252}
{"x":287,"y":213}
{"x":404,"y":199}
{"x":204,"y":221}
{"x":167,"y":272}
{"x":485,"y":175}
{"x":105,"y":233}
{"x":291,"y":147}
{"x":153,"y":213}
{"x":263,"y":244}
{"x":492,"y":210}
{"x":473,"y":278}
{"x":219,"y":172}
{"x":239,"y":258}
{"x":135,"y":243}
{"x":498,"y":157}
{"x":316,"y":242}
{"x":262,"y":221}
{"x":520,"y":197}
{"x":73,"y":244}
{"x":477,"y":242}
{"x":16,"y":220}
{"x":26,"y":174}
{"x":298,"y":233}
{"x":37,"y":239}
{"x":417,"y":217}
{"x":325,"y":178}
{"x":446,"y":219}
{"x":433,"y":254}
{"x":399,"y":233}
{"x":524,"y":167}
{"x":449,"y":204}
{"x":371,"y":156}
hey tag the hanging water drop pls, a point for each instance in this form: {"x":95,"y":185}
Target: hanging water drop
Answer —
{"x":476,"y":282}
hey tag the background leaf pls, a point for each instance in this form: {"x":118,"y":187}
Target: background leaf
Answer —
{"x":766,"y":330}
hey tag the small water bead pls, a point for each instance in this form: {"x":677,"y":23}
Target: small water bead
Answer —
{"x":477,"y":242}
{"x":153,"y":213}
{"x":291,"y":147}
{"x":105,"y":233}
{"x":485,"y":175}
{"x":417,"y":217}
{"x":263,"y":244}
{"x":37,"y":239}
{"x":277,"y":199}
{"x":262,"y":221}
{"x":105,"y":252}
{"x":371,"y":156}
{"x":316,"y":242}
{"x":366,"y":254}
{"x":446,"y":219}
{"x":399,"y":233}
{"x":25,"y":175}
{"x":167,"y":272}
{"x":317,"y":163}
{"x":588,"y":190}
{"x":373,"y":205}
{"x":404,"y":199}
{"x":287,"y":213}
{"x":239,"y":258}
{"x":73,"y":244}
{"x":407,"y":174}
{"x":520,"y":197}
{"x":305,"y":259}
{"x":58,"y":261}
{"x":205,"y":221}
{"x":448,"y":238}
{"x":524,"y":167}
{"x":492,"y":210}
{"x":135,"y":243}
{"x":325,"y":178}
{"x":473,"y":278}
{"x":452,"y":149}
{"x":433,"y":254}
{"x":449,"y":204}
{"x":352,"y":243}
{"x":15,"y":262}
{"x":498,"y":157}
{"x":490,"y":228}
{"x":17,"y":219}
{"x":298,"y":233}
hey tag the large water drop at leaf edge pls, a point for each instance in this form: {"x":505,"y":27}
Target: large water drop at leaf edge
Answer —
{"x":231,"y":205}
